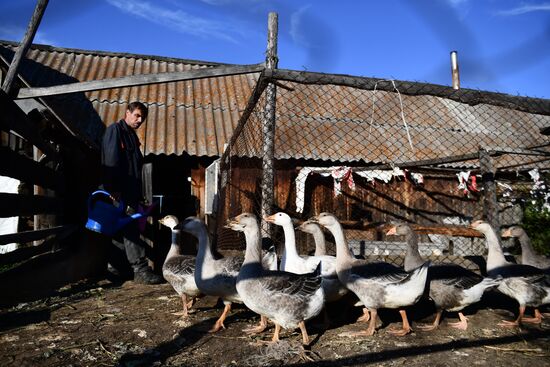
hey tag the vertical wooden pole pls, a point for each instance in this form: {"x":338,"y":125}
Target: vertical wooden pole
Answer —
{"x":25,"y":44}
{"x":268,"y":125}
{"x":490,"y":203}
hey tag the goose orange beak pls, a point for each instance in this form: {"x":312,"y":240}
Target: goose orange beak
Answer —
{"x":270,"y":218}
{"x":392,"y":231}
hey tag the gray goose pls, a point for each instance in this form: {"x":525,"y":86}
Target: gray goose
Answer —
{"x":377,"y":285}
{"x":451,"y":287}
{"x":528,"y":254}
{"x":218,"y":276}
{"x":178,"y":269}
{"x":316,"y":231}
{"x":287,"y":299}
{"x":528,"y":285}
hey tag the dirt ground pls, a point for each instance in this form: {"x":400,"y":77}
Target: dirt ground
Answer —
{"x":99,"y":323}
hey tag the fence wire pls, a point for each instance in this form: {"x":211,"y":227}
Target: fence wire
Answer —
{"x":373,"y":152}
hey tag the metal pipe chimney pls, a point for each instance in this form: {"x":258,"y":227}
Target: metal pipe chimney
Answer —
{"x":454,"y":70}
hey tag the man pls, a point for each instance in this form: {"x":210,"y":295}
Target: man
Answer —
{"x":121,"y":161}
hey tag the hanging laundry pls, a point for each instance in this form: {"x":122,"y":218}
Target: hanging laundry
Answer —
{"x":342,"y":174}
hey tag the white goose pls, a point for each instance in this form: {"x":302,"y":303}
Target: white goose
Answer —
{"x":377,"y":285}
{"x":218,"y":276}
{"x":294,"y":263}
{"x":528,"y":285}
{"x":451,"y":287}
{"x":287,"y":299}
{"x":178,"y":269}
{"x":528,"y":254}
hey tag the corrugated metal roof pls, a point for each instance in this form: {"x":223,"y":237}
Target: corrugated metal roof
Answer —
{"x":344,"y":124}
{"x":327,"y":122}
{"x":196,"y":116}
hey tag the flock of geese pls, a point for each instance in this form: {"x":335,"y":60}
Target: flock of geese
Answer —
{"x":297,"y":289}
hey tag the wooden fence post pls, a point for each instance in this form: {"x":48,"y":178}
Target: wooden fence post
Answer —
{"x":268,"y":127}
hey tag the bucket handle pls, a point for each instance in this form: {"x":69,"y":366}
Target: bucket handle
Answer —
{"x":105,"y":193}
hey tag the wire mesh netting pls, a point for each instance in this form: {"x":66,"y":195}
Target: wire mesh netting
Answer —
{"x":375,"y":151}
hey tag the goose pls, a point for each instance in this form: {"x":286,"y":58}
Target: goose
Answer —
{"x":528,"y":254}
{"x":294,"y":263}
{"x":317,"y":232}
{"x":287,"y":299}
{"x":451,"y":287}
{"x":528,"y":285}
{"x":178,"y":269}
{"x":377,"y":285}
{"x":218,"y":276}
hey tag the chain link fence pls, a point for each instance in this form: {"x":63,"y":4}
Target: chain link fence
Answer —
{"x":377,"y":151}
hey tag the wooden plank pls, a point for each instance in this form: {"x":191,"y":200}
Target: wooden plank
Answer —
{"x":447,"y":230}
{"x":14,"y":205}
{"x":28,"y":236}
{"x":25,"y":169}
{"x":136,"y":80}
{"x":13,"y":118}
{"x":25,"y":44}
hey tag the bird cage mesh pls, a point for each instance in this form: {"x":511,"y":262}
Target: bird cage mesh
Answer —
{"x":373,"y":152}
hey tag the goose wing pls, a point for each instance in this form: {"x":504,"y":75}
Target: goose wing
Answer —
{"x":453,"y":275}
{"x":180,"y":265}
{"x":302,"y":285}
{"x":529,"y":273}
{"x":380,"y":271}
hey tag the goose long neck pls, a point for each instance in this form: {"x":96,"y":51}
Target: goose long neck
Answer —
{"x":320,"y":243}
{"x":253,"y":252}
{"x":526,"y":248}
{"x":174,"y":246}
{"x":290,"y":240}
{"x":343,"y":251}
{"x":495,"y":257}
{"x":412,"y":257}
{"x":205,"y":245}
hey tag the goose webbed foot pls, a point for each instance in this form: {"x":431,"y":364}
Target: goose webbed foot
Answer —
{"x":219,"y":324}
{"x":432,"y":326}
{"x":371,"y":329}
{"x":406,"y":327}
{"x":462,"y":324}
{"x":257,"y":329}
{"x":400,"y":332}
{"x":365,"y":317}
{"x":537,"y":319}
{"x":516,"y":322}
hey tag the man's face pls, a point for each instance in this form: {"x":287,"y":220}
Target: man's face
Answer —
{"x":134,"y":119}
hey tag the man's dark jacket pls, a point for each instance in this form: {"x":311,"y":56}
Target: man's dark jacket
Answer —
{"x":121,"y":162}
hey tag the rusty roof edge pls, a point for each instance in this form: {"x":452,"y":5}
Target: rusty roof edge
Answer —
{"x":471,"y":97}
{"x":116,"y":54}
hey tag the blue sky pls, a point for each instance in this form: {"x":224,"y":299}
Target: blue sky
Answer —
{"x":502,"y":45}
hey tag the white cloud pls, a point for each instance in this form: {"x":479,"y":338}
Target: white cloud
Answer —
{"x":176,"y":19}
{"x":16,"y":33}
{"x":296,"y":25}
{"x":527,"y":8}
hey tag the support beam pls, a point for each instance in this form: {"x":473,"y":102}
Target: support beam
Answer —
{"x":28,"y":236}
{"x":15,"y":205}
{"x":13,"y":118}
{"x":25,"y":44}
{"x":136,"y":80}
{"x":490,"y":202}
{"x":18,"y":166}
